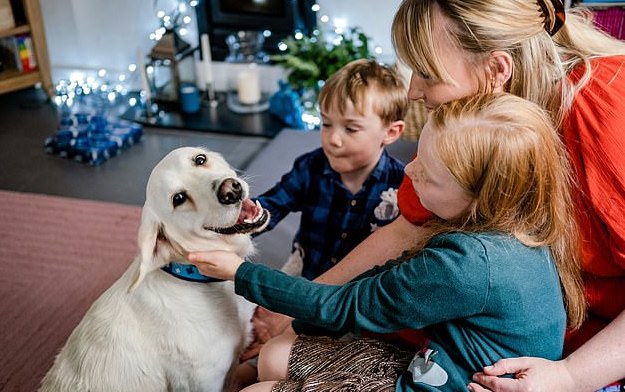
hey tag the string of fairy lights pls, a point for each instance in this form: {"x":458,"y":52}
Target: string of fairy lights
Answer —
{"x":106,"y":86}
{"x":110,"y":87}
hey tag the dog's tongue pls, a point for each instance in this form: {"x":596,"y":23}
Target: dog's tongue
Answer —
{"x":249,"y":209}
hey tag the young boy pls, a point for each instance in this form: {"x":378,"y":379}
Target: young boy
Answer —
{"x":347,"y":188}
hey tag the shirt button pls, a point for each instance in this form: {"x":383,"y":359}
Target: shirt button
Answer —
{"x":333,"y":260}
{"x":353,"y":203}
{"x":344,"y":235}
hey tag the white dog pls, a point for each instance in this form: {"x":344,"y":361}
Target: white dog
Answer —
{"x":153,"y":330}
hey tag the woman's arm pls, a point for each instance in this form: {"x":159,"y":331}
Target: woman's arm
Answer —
{"x":597,"y":363}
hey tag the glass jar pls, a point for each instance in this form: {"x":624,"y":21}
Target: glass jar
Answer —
{"x":244,"y":79}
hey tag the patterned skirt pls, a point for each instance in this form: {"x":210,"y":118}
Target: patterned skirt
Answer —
{"x":320,"y":364}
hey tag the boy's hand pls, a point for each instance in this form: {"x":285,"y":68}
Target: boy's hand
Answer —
{"x":218,"y":264}
{"x":270,"y":323}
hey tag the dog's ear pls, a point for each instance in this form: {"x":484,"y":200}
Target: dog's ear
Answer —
{"x":147,"y":240}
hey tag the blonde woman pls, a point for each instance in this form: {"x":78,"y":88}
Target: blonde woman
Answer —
{"x":487,"y":282}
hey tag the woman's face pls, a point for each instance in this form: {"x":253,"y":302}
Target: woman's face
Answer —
{"x":432,"y":92}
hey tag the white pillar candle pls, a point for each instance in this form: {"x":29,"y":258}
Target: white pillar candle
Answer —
{"x":200,"y":79}
{"x":206,"y":58}
{"x":248,"y":85}
{"x":144,"y":77}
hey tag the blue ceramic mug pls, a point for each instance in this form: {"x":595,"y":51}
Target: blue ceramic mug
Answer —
{"x":190,"y":101}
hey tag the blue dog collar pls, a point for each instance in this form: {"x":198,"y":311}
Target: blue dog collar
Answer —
{"x":188,"y":272}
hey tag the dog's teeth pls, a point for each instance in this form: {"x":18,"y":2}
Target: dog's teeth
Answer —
{"x":260,"y":210}
{"x":255,"y":218}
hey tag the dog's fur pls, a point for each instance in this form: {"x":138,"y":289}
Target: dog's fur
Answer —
{"x":151,"y":331}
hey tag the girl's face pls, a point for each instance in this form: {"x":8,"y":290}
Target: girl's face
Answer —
{"x":432,"y":92}
{"x":437,"y":189}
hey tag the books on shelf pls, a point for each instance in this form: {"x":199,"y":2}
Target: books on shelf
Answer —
{"x":26,"y":53}
{"x":611,"y":20}
{"x":17,"y":54}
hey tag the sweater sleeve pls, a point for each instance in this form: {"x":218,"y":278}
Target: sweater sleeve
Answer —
{"x":447,"y":280}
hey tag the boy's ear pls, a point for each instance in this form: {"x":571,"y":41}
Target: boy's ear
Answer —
{"x":393,"y":131}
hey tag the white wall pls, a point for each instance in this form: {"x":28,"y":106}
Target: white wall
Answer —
{"x":89,"y":35}
{"x":95,"y":34}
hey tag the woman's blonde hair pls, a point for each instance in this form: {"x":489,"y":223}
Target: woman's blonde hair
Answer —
{"x":503,"y":150}
{"x":366,"y":82}
{"x":479,"y":27}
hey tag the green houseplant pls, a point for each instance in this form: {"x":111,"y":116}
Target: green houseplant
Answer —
{"x":309,"y":61}
{"x":312,"y":59}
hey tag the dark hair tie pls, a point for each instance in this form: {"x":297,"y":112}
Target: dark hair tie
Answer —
{"x":553,"y":11}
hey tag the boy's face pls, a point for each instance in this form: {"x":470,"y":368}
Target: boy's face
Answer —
{"x":352,"y":141}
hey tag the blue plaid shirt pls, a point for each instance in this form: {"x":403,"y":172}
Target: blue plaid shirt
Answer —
{"x":333,"y":220}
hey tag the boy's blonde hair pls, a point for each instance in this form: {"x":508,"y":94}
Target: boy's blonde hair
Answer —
{"x":479,"y":27}
{"x":504,"y":151}
{"x":366,"y":82}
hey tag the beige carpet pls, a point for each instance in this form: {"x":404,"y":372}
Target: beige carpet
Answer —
{"x":57,"y":255}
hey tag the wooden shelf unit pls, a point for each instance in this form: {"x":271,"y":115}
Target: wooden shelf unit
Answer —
{"x":11,"y":80}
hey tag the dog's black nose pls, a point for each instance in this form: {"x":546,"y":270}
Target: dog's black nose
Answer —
{"x":230,"y":191}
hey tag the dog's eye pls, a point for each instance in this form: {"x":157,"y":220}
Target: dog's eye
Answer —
{"x":179,"y":198}
{"x":200,"y":159}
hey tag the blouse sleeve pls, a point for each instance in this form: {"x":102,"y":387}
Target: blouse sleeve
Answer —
{"x":409,"y":204}
{"x":594,"y":134}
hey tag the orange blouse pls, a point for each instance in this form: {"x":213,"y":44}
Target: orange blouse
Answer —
{"x":594,"y":135}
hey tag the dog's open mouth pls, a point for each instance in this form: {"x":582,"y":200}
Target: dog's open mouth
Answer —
{"x":252,"y":218}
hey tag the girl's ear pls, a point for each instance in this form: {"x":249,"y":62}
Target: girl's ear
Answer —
{"x":500,"y":68}
{"x":393,"y":131}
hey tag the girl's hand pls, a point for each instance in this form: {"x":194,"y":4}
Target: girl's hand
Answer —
{"x":218,"y":264}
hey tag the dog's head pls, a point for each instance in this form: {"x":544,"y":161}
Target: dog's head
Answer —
{"x":195,"y":202}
